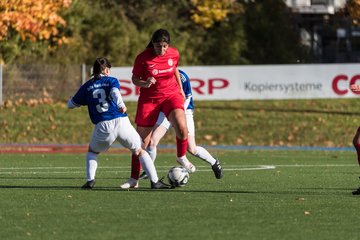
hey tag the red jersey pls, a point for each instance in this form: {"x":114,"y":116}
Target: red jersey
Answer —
{"x":162,"y":68}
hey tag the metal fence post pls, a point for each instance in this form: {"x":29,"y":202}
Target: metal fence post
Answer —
{"x":83,"y":73}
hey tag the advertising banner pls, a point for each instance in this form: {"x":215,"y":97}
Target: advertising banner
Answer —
{"x":300,"y":81}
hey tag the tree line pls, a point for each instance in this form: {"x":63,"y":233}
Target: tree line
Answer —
{"x":206,"y":32}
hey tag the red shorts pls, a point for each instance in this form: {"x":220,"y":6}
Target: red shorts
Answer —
{"x":148,"y":109}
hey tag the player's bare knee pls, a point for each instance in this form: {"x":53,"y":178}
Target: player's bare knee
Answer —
{"x":183,"y":133}
{"x":152,"y":144}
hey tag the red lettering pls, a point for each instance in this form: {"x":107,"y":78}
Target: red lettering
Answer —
{"x":217,"y":83}
{"x":125,"y":89}
{"x":197,"y":86}
{"x":335,"y":83}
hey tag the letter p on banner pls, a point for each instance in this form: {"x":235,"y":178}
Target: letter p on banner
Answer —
{"x":217,"y":83}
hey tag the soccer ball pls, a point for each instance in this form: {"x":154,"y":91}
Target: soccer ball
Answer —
{"x":178,"y":176}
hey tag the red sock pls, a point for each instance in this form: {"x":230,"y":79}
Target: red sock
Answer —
{"x":135,"y":167}
{"x":181,"y":146}
{"x":357,"y":147}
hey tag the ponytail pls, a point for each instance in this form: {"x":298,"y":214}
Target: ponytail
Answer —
{"x":99,"y":66}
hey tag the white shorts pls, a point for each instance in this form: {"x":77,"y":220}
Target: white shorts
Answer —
{"x":105,"y":133}
{"x":189,"y":114}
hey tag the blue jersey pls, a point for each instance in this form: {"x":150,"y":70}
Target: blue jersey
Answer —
{"x":185,"y":80}
{"x":96,"y":95}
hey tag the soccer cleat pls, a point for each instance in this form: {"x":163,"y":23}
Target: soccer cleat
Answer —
{"x":130,"y":183}
{"x":88,"y":184}
{"x":217,"y":169}
{"x":143,"y":175}
{"x":160,"y":185}
{"x":356,"y":192}
{"x":187,"y":165}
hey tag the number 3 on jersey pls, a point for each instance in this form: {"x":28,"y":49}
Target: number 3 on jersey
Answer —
{"x":103,"y":105}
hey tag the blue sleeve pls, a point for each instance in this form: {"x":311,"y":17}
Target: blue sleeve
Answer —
{"x":80,"y":96}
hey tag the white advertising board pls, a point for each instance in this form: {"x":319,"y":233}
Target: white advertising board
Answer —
{"x":300,"y":81}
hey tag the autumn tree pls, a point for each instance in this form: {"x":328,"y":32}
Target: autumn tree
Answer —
{"x":208,"y":12}
{"x":206,"y":32}
{"x":25,"y":23}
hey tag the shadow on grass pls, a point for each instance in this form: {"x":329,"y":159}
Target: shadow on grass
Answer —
{"x":39,"y":187}
{"x":298,"y":192}
{"x":117,"y":189}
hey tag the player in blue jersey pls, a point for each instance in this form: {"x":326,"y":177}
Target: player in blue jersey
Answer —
{"x":162,"y":126}
{"x":107,"y":111}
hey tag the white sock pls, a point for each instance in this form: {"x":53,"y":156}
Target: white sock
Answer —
{"x":148,"y":166}
{"x":152,"y":152}
{"x":91,"y":165}
{"x":183,"y":159}
{"x":203,"y":154}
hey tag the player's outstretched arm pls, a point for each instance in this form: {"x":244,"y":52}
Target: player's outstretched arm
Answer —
{"x":178,"y":80}
{"x":355,"y":88}
{"x":71,"y":104}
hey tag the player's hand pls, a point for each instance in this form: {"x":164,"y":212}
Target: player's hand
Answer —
{"x":355,"y":87}
{"x":123,"y":109}
{"x":150,"y":81}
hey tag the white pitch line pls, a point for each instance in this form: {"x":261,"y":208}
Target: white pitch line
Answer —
{"x":126,"y":170}
{"x":23,"y":170}
{"x":317,"y":165}
{"x":258,"y":167}
{"x":295,"y":165}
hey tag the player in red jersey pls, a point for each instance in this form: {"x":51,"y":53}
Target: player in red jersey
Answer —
{"x":356,"y":139}
{"x":155,"y":72}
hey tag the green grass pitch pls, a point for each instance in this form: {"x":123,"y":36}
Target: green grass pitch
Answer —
{"x":264,"y":194}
